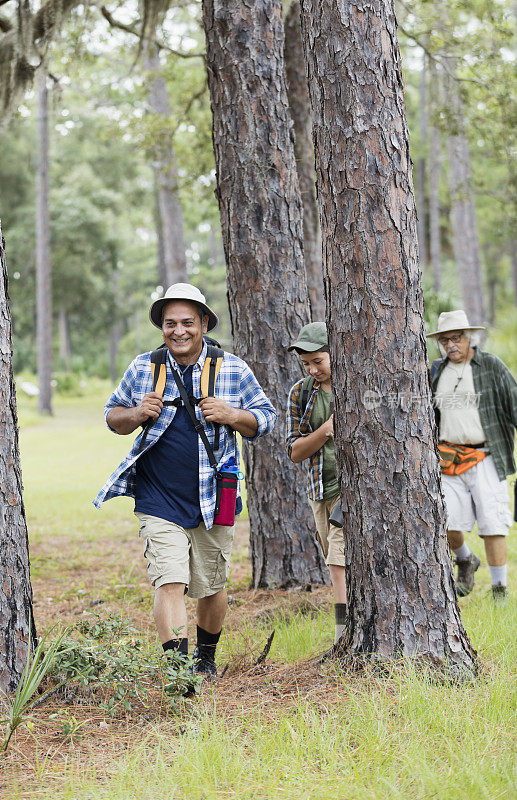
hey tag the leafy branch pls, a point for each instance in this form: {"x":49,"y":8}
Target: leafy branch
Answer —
{"x":135,"y":29}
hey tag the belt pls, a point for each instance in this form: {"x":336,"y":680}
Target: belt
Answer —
{"x":474,"y":446}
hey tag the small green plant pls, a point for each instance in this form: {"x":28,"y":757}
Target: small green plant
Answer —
{"x":70,"y":726}
{"x":107,"y":655}
{"x":39,"y":664}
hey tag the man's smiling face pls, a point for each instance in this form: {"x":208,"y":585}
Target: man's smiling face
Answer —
{"x":182,"y":330}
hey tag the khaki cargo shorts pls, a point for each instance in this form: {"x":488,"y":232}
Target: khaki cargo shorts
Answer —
{"x":194,"y":556}
{"x":330,"y":538}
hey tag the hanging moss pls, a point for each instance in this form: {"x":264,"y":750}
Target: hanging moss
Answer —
{"x":25,"y":39}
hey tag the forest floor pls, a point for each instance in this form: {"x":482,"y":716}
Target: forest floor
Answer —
{"x":286,"y":728}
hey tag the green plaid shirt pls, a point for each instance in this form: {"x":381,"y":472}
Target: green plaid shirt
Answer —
{"x":496,"y":388}
{"x":297,"y":425}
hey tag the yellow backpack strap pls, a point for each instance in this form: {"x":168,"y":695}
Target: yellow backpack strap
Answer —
{"x":210,"y":371}
{"x":159,"y":369}
{"x":159,"y":373}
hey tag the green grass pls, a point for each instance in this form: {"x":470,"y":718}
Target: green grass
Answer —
{"x":399,"y":737}
{"x":65,"y":460}
{"x":405,"y":737}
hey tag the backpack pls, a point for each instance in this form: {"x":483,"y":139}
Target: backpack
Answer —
{"x":306,"y":389}
{"x":211,"y":368}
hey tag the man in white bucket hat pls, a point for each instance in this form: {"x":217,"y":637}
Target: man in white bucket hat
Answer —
{"x":475,"y":397}
{"x":170,"y":472}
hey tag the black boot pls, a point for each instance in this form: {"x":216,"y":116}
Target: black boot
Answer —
{"x":204,"y":654}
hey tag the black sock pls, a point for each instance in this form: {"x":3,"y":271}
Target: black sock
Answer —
{"x":204,"y":637}
{"x":207,"y":642}
{"x":181,"y":645}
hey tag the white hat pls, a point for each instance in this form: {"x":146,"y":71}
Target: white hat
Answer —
{"x":181,"y":291}
{"x":454,"y":321}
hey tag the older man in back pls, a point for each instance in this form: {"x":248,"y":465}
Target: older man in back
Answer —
{"x":475,"y":397}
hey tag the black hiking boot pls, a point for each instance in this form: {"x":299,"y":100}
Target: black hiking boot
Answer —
{"x":204,"y":662}
{"x":466,"y":570}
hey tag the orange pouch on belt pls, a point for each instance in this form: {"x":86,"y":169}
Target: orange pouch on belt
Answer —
{"x":455,"y":459}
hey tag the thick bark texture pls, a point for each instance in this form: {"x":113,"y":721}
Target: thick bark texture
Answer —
{"x":300,"y":108}
{"x":170,"y":226}
{"x":261,"y":220}
{"x":463,"y":213}
{"x":402,"y":600}
{"x":43,"y":270}
{"x":422,"y":171}
{"x":434,"y":162}
{"x":15,"y":586}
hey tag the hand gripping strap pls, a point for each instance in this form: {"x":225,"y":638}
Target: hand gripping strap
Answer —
{"x":159,"y":373}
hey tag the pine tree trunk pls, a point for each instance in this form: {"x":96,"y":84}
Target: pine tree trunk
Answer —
{"x":166,"y":174}
{"x":463,"y":213}
{"x":15,"y":586}
{"x":492,"y":290}
{"x":43,"y":269}
{"x":299,"y":105}
{"x":116,"y":330}
{"x":402,"y":600}
{"x":261,"y":220}
{"x":163,"y":278}
{"x":65,"y":348}
{"x":422,"y":170}
{"x":513,"y":259}
{"x":434,"y":162}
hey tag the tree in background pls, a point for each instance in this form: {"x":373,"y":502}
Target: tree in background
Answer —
{"x":299,"y":106}
{"x":421,"y":199}
{"x":468,"y":49}
{"x":434,"y":169}
{"x":16,"y":619}
{"x":43,"y":268}
{"x":402,"y":600}
{"x":166,"y":175}
{"x":463,"y":213}
{"x":261,"y":220}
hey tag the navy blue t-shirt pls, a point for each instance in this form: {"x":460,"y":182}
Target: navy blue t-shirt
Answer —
{"x":167,"y":475}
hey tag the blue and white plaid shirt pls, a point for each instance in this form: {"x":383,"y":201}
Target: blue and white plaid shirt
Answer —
{"x":235,"y":384}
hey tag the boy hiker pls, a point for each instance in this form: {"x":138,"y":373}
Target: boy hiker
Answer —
{"x":310,"y":434}
{"x":475,"y":397}
{"x":171,"y":468}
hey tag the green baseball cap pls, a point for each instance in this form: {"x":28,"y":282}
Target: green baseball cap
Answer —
{"x":312,"y":337}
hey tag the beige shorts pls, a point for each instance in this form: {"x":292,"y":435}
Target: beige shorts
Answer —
{"x":478,"y":495}
{"x":329,"y":537}
{"x":194,"y":556}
